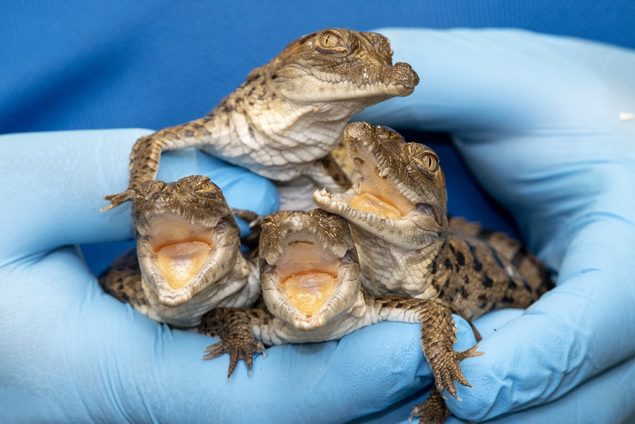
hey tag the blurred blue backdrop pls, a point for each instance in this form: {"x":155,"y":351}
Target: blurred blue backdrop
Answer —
{"x":140,"y":63}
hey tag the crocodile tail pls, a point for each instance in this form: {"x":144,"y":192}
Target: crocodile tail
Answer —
{"x":509,"y":249}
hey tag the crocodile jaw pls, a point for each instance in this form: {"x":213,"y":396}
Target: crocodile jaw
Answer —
{"x":389,"y":197}
{"x":187,"y":240}
{"x":308,"y":279}
{"x":324,"y":88}
{"x":313,"y":297}
{"x":180,"y":259}
{"x":338,"y":64}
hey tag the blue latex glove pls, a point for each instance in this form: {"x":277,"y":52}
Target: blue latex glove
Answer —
{"x":70,"y":352}
{"x":547,"y":125}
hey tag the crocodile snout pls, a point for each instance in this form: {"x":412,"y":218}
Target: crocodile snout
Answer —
{"x":403,"y":74}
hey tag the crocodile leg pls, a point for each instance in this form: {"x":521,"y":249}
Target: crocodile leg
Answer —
{"x":233,"y":327}
{"x":438,"y":335}
{"x":146,"y":153}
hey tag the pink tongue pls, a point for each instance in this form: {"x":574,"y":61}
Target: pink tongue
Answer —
{"x":179,"y":262}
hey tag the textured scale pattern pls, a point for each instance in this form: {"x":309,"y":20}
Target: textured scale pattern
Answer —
{"x":289,"y":113}
{"x":241,"y":330}
{"x":198,"y":203}
{"x":452,"y":263}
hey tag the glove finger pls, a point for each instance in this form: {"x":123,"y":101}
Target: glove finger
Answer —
{"x":512,"y":80}
{"x":53,"y":208}
{"x":604,"y":399}
{"x":571,"y":334}
{"x":95,"y":359}
{"x":537,"y":119}
{"x":608,"y":398}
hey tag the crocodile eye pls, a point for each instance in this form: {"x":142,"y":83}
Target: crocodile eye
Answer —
{"x":428,"y":162}
{"x":330,"y":39}
{"x":330,"y":42}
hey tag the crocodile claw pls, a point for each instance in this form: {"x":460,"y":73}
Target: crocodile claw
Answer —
{"x":117,"y":199}
{"x":448,"y":370}
{"x":237,"y":349}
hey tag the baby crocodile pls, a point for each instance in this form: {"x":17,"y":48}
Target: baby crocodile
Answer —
{"x":188,"y":251}
{"x":310,"y":279}
{"x":287,"y":116}
{"x":398,"y":216}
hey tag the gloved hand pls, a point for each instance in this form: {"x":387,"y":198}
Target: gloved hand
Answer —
{"x":70,"y":352}
{"x":547,"y":125}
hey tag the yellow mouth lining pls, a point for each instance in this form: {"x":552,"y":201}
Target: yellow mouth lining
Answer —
{"x":376,"y":194}
{"x":368,"y":202}
{"x":310,"y":290}
{"x":180,"y":262}
{"x":308,"y":275}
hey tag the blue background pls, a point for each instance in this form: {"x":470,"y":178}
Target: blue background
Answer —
{"x":142,"y":63}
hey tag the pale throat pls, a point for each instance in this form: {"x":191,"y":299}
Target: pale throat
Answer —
{"x":408,"y":266}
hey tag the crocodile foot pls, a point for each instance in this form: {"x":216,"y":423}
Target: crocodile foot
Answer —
{"x":141,"y":191}
{"x":446,"y":369}
{"x":232,"y":326}
{"x":119,"y":198}
{"x":438,"y":335}
{"x":432,"y":411}
{"x":238,"y":349}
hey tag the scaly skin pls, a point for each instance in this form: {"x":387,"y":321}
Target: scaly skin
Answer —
{"x":185,"y":225}
{"x":287,"y":116}
{"x":398,"y":216}
{"x":298,"y":249}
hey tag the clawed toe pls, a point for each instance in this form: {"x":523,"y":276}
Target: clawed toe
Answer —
{"x":117,"y":199}
{"x":469,"y":353}
{"x":446,"y":372}
{"x":244,"y":352}
{"x":214,"y":351}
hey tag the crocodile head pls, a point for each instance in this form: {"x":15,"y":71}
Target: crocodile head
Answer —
{"x":309,"y":270}
{"x":340,"y":65}
{"x":187,"y":238}
{"x":398,"y":191}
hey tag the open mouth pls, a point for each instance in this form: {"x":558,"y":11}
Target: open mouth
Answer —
{"x":308,"y":276}
{"x":179,"y":257}
{"x":181,"y":248}
{"x":374,"y":195}
{"x":307,"y":283}
{"x":390,"y":196}
{"x":374,"y":192}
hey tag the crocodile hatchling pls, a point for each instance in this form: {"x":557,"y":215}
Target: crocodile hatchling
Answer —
{"x":310,"y":278}
{"x":287,"y":116}
{"x":397,"y":212}
{"x":188,"y":250}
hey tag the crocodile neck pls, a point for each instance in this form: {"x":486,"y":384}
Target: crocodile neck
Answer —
{"x":256,"y":128}
{"x":392,"y":270}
